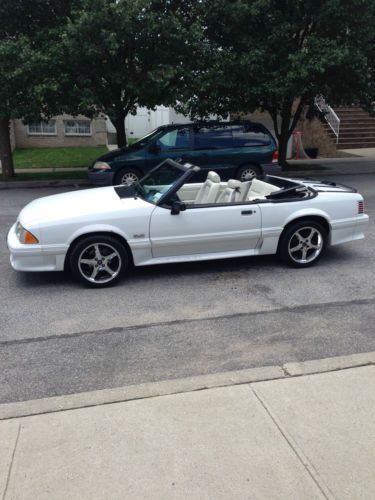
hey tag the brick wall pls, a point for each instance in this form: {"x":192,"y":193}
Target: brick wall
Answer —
{"x":98,"y":135}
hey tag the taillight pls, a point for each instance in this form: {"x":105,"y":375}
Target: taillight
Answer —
{"x":361,"y":207}
{"x":275,"y":156}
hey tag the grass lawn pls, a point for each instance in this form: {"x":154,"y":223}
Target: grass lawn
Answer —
{"x":131,"y":140}
{"x":57,"y":157}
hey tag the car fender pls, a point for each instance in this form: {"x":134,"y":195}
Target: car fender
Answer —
{"x":97,"y":228}
{"x":307,"y":212}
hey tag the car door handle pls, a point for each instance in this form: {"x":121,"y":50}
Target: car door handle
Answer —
{"x":247,"y":212}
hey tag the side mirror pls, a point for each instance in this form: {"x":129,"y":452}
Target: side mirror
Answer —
{"x":177,"y":207}
{"x":154,"y":148}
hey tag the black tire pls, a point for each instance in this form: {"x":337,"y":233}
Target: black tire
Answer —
{"x":248,"y":172}
{"x":303,"y":234}
{"x":127,"y":171}
{"x":97,"y":273}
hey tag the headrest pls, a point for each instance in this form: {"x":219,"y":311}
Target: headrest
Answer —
{"x":213,"y":176}
{"x":232,"y":183}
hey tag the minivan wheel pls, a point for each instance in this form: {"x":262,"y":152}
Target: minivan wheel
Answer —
{"x":248,"y":173}
{"x":98,"y":261}
{"x":128,"y":176}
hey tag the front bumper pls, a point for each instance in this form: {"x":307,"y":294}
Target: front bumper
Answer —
{"x":101,"y":177}
{"x":35,"y":257}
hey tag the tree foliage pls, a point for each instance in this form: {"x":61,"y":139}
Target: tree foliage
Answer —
{"x":212,"y":56}
{"x":122,"y":54}
{"x":27,"y":80}
{"x":277,"y":55}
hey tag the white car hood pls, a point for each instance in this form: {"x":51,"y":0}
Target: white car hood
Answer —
{"x":74,"y":204}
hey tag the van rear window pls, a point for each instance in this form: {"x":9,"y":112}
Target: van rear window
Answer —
{"x":249,"y":136}
{"x":230,"y":136}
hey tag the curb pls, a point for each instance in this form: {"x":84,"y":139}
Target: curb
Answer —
{"x":321,"y":173}
{"x":83,"y":182}
{"x":177,"y":386}
{"x":44,"y":184}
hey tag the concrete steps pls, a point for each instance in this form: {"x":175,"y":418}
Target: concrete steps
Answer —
{"x":357,"y":129}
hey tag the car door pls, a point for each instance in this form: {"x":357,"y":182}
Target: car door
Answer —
{"x":205,"y":229}
{"x":174,"y":144}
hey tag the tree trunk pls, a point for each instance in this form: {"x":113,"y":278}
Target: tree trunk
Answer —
{"x":287,"y":126}
{"x":119,"y":124}
{"x":6,"y":149}
{"x":284,"y":136}
{"x":283,"y":148}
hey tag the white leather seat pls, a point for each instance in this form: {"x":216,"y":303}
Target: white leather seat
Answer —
{"x":260,"y":189}
{"x":231,"y":193}
{"x":209,"y":190}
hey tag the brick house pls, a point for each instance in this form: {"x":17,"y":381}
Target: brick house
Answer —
{"x":60,"y":131}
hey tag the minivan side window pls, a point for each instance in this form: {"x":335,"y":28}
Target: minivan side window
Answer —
{"x":175,"y":139}
{"x":213,"y":137}
{"x":248,"y":135}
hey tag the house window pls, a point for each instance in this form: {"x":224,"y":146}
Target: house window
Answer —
{"x":42,"y":128}
{"x":77,"y":127}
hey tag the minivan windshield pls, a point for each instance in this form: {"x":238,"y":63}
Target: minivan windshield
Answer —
{"x":141,"y":143}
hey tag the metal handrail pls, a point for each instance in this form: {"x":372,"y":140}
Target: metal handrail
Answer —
{"x":329,"y":115}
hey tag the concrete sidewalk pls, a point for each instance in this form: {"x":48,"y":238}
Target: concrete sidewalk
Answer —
{"x":310,"y":436}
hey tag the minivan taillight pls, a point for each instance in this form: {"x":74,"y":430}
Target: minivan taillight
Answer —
{"x":361,"y":207}
{"x":275,"y":156}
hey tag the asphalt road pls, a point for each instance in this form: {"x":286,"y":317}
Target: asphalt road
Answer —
{"x":172,"y":321}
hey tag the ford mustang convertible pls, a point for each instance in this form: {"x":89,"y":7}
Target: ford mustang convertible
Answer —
{"x":165,"y":217}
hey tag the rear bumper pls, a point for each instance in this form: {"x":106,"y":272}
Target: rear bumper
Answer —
{"x":348,"y":229}
{"x":35,"y":257}
{"x":101,"y":177}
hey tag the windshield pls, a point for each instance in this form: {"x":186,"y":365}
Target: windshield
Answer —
{"x":152,"y":187}
{"x":159,"y":181}
{"x":141,"y":143}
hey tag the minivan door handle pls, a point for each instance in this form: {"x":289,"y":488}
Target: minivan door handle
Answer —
{"x":247,"y":212}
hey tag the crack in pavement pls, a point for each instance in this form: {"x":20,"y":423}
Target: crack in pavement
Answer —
{"x":118,"y":329}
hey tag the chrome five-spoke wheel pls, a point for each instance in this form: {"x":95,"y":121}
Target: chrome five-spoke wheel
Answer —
{"x":99,"y":263}
{"x":99,"y":260}
{"x":303,"y":243}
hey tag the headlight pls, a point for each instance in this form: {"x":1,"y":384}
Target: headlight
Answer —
{"x":101,"y":165}
{"x":25,"y":236}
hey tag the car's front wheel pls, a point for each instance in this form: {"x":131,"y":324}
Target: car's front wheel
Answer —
{"x":99,"y":261}
{"x":248,"y":173}
{"x":303,"y":243}
{"x":128,"y":176}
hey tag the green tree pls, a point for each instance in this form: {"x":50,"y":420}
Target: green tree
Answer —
{"x":27,"y":84}
{"x":120,"y":54}
{"x":277,"y":55}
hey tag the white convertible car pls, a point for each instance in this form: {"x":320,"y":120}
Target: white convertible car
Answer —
{"x":98,"y":233}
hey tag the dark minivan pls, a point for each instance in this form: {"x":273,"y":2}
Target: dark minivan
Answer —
{"x":235,"y":150}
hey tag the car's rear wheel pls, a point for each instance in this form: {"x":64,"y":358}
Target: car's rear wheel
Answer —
{"x":128,"y":176}
{"x":303,"y":243}
{"x":99,"y":261}
{"x":248,"y":173}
